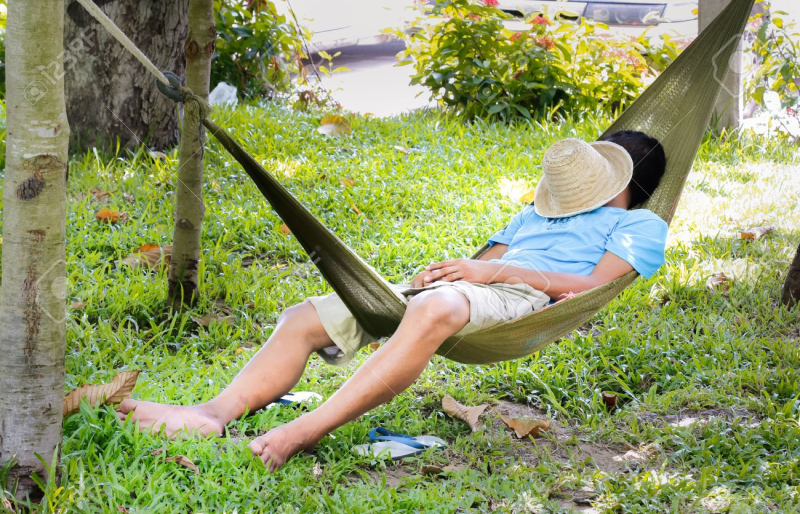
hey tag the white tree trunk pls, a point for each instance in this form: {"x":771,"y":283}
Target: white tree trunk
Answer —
{"x":189,"y":208}
{"x":32,"y":298}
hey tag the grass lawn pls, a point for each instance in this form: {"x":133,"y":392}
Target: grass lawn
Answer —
{"x":707,"y":380}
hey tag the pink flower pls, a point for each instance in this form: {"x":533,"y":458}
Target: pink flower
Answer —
{"x":491,"y":3}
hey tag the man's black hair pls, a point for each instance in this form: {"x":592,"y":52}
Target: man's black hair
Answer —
{"x":649,"y":162}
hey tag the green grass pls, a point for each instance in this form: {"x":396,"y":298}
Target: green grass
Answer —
{"x":668,"y":347}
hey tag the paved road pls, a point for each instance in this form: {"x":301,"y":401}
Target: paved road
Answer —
{"x":374,"y":84}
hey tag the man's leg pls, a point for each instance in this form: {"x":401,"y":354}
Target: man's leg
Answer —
{"x":271,"y":373}
{"x":432,"y":317}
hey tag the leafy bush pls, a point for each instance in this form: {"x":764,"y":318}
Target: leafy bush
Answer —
{"x":258,"y":49}
{"x":476,"y":66}
{"x":775,"y":62}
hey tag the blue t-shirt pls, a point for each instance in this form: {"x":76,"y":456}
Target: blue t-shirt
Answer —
{"x":577,"y":243}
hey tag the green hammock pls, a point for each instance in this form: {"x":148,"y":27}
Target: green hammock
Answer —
{"x":675,"y":109}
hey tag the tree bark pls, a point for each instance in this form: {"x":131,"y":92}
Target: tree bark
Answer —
{"x":791,"y":288}
{"x":189,"y":208}
{"x":33,"y":292}
{"x":109,"y":93}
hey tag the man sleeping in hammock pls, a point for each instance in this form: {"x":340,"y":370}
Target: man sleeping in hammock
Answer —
{"x":579,"y":234}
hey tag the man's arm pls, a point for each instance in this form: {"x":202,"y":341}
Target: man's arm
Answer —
{"x":556,"y":285}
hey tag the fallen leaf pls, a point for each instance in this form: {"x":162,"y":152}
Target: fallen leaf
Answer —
{"x":431,"y":470}
{"x":101,"y":195}
{"x":7,"y":505}
{"x":437,"y":470}
{"x":334,"y":125}
{"x":347,"y":181}
{"x":183,"y":461}
{"x":353,"y":206}
{"x":76,"y":306}
{"x":209,"y":318}
{"x":109,"y":216}
{"x":118,"y":389}
{"x":122,"y":509}
{"x":609,"y":399}
{"x":524,"y":427}
{"x":402,"y":149}
{"x":159,"y":256}
{"x":238,"y":351}
{"x":457,"y":410}
{"x":159,"y":156}
{"x":528,"y":197}
{"x":147,"y":248}
{"x":129,"y":197}
{"x":718,"y":282}
{"x":374,"y":346}
{"x":285,"y":230}
{"x":756,"y":232}
{"x":317,"y":471}
{"x":157,"y":451}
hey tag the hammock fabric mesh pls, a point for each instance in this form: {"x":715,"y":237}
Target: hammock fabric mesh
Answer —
{"x":676,"y":109}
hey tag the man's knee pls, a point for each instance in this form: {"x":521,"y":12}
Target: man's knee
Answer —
{"x":440,"y":307}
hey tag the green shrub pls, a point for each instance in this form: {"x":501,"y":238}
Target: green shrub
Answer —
{"x":776,"y":60}
{"x":474,"y":65}
{"x":258,"y":49}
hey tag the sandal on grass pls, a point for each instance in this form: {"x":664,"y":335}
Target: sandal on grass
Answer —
{"x":297,"y":397}
{"x":397,"y":446}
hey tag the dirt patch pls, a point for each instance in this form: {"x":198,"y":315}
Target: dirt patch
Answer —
{"x":698,"y":418}
{"x":564,"y":444}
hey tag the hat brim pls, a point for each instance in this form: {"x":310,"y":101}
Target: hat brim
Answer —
{"x":621,"y":167}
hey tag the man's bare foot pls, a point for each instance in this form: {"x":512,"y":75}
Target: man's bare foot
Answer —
{"x":174,"y":418}
{"x":281,"y":443}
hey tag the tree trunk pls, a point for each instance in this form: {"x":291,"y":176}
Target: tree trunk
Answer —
{"x":34,"y":288}
{"x":189,"y":208}
{"x":791,"y":288}
{"x":109,"y":93}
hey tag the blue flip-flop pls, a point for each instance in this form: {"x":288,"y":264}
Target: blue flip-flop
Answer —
{"x":396,"y":445}
{"x":297,"y":397}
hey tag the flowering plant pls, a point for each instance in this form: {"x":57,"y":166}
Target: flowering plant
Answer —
{"x":473,"y":63}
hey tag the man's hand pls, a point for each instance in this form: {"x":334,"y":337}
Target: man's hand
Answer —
{"x":469,"y":270}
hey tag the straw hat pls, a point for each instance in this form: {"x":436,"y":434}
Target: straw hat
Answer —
{"x":580,"y":177}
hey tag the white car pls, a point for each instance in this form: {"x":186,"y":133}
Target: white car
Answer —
{"x":630,"y":17}
{"x":338,"y":23}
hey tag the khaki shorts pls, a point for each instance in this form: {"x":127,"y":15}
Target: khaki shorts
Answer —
{"x":489,"y":304}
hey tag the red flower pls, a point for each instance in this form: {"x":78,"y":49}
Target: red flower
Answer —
{"x":546,"y":42}
{"x":491,"y":3}
{"x":515,"y":36}
{"x":474,"y":17}
{"x":539,"y":20}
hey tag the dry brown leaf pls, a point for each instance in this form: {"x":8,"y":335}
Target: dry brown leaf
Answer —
{"x":756,"y":232}
{"x":347,"y":181}
{"x":100,"y":195}
{"x":285,"y":230}
{"x":183,"y":461}
{"x":159,"y":156}
{"x":718,"y":282}
{"x":157,"y":451}
{"x":609,"y":399}
{"x":122,"y":509}
{"x":470,"y":415}
{"x":7,"y":505}
{"x":147,"y":248}
{"x":353,"y":206}
{"x":159,"y":256}
{"x":128,"y":197}
{"x":118,"y":389}
{"x":524,"y":427}
{"x":76,"y":306}
{"x":109,"y":216}
{"x":210,"y":318}
{"x":334,"y":125}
